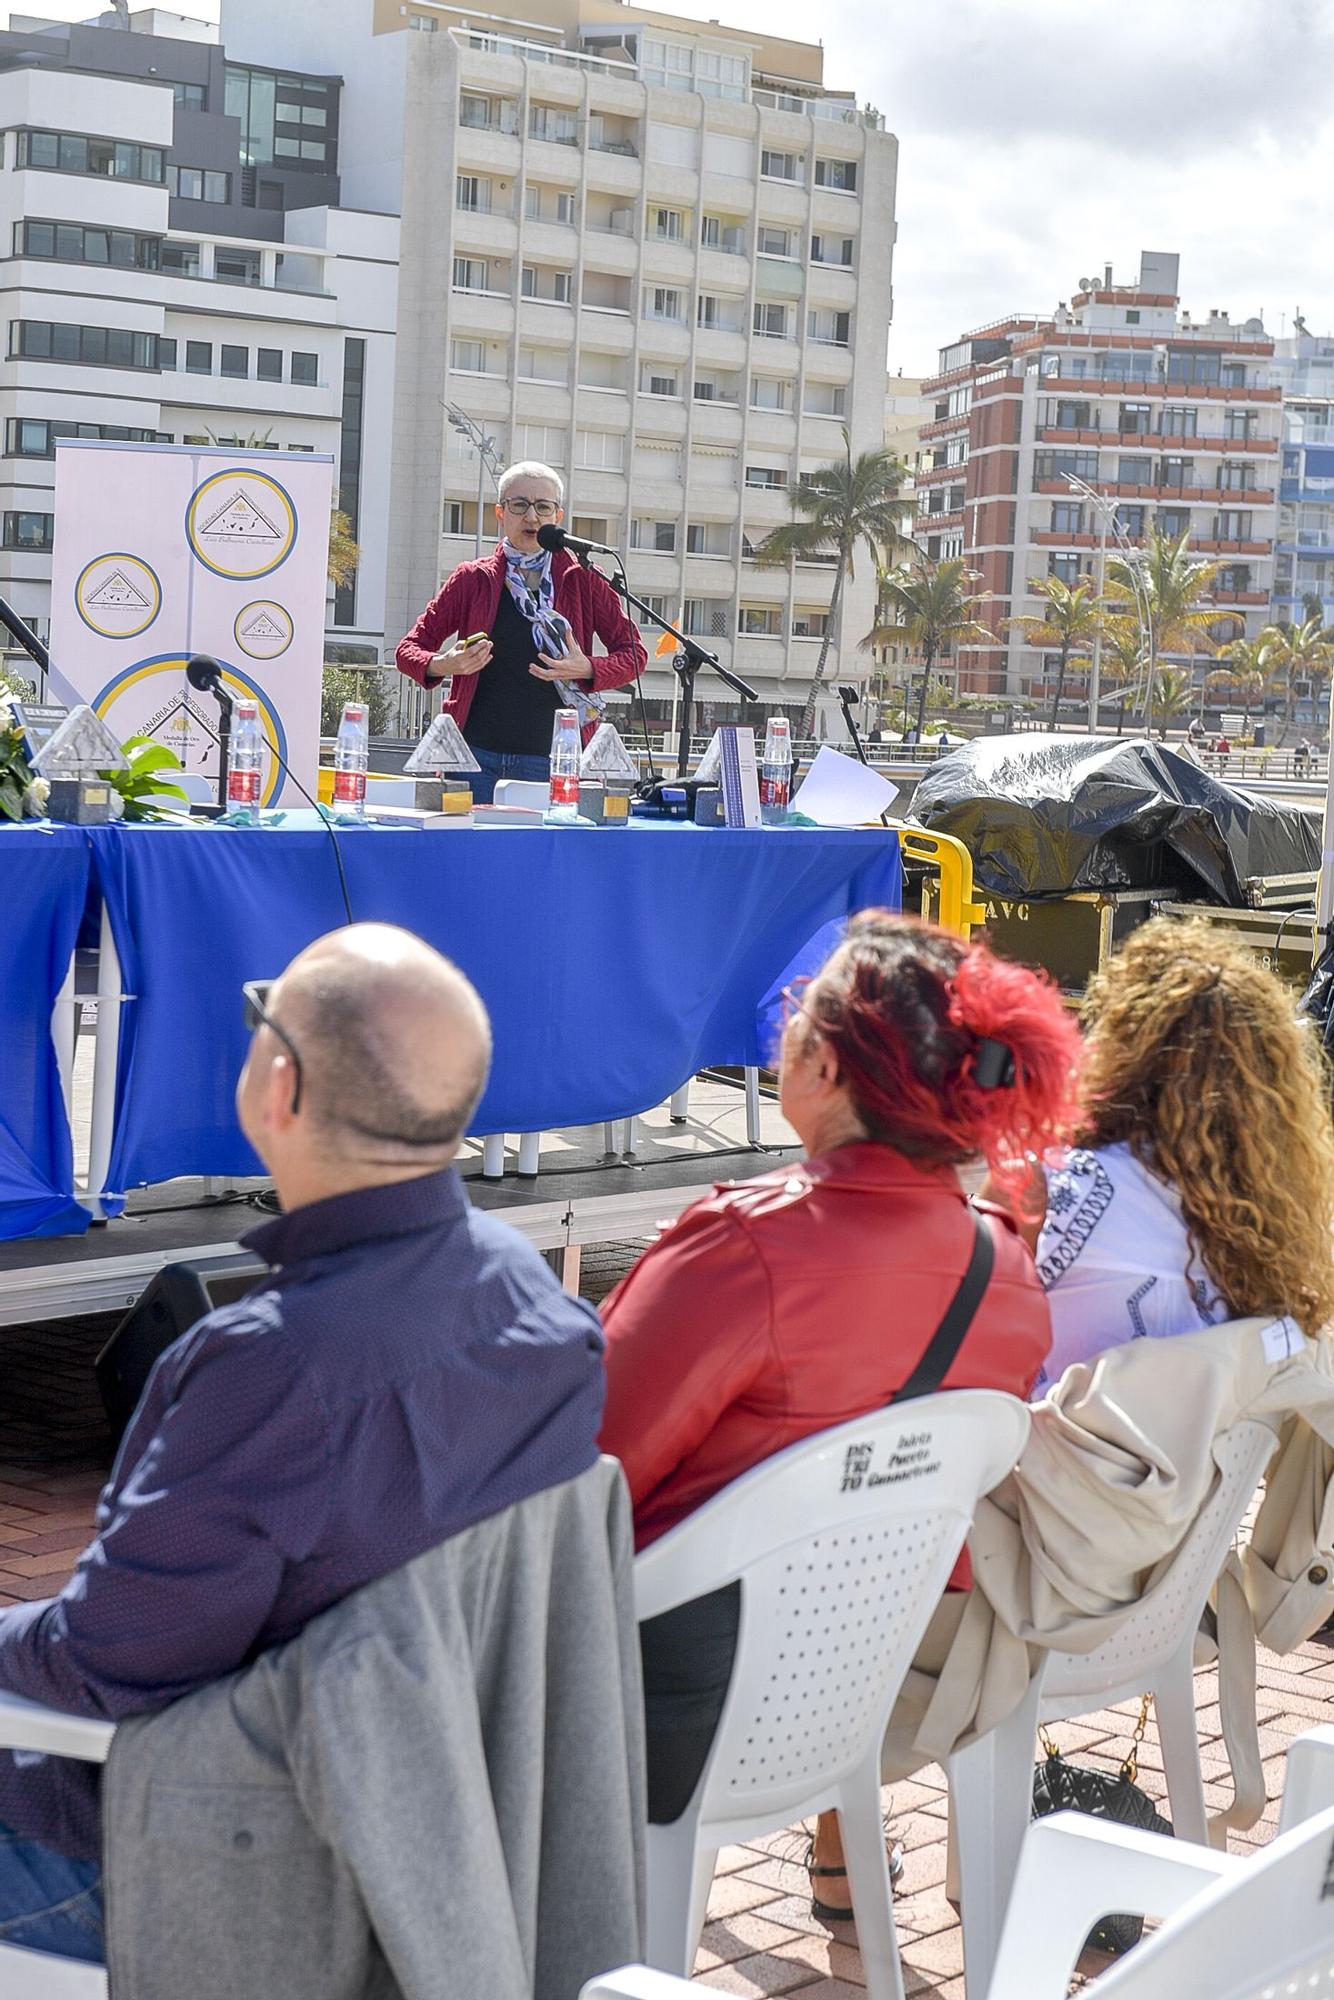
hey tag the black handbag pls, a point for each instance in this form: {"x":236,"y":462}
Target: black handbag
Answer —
{"x":1060,"y":1786}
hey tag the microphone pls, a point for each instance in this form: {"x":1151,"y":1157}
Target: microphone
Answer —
{"x":550,"y":537}
{"x":204,"y":673}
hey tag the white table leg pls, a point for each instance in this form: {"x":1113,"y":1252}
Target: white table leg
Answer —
{"x":64,"y":1022}
{"x":106,"y":1053}
{"x":753,"y":1106}
{"x":679,"y":1108}
{"x":530,"y":1145}
{"x":493,"y":1156}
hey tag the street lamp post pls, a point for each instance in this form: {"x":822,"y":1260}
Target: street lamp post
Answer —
{"x":1131,"y":556}
{"x":488,"y":459}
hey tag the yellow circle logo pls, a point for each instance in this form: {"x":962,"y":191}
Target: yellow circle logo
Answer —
{"x":263,"y":629}
{"x":118,"y":596}
{"x":241,"y":523}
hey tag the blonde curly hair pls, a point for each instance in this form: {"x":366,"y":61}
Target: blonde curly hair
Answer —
{"x":1197,"y":1061}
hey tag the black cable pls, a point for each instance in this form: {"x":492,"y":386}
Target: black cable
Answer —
{"x":639,"y":688}
{"x":327,"y":824}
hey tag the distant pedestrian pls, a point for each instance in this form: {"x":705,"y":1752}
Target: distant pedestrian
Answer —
{"x":1224,"y":752}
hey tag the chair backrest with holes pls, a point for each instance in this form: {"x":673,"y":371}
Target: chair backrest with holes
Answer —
{"x":1263,"y":1933}
{"x":843,"y":1545}
{"x":1154,"y":1630}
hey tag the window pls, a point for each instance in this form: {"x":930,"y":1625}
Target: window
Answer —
{"x":669,"y":225}
{"x":424,"y":24}
{"x":71,"y":243}
{"x":1238,"y":423}
{"x":652,"y":606}
{"x":809,"y":622}
{"x":715,"y":233}
{"x":234,"y":361}
{"x":238,"y":267}
{"x":1132,"y":315}
{"x":468,"y":356}
{"x":1174,"y":521}
{"x":760,"y":621}
{"x":1193,"y":367}
{"x":554,"y":124}
{"x":1180,"y":421}
{"x":832,"y":249}
{"x":655,"y":380}
{"x":1234,"y":577}
{"x":713,"y":312}
{"x":1136,"y":419}
{"x":473,"y":193}
{"x":1233,"y":525}
{"x":28,"y":531}
{"x":1237,"y":478}
{"x":1177,"y":473}
{"x":166,"y":353}
{"x":665,"y":65}
{"x":719,"y":75}
{"x":544,"y":364}
{"x":305,"y":369}
{"x":825,"y":399}
{"x":1135,"y":471}
{"x":471,"y":274}
{"x":705,"y":617}
{"x":190,"y":96}
{"x":199,"y":357}
{"x":182,"y":259}
{"x":200,"y":184}
{"x":72,"y":153}
{"x":770,"y":392}
{"x":840,"y":175}
{"x":460,"y":517}
{"x":293,"y":119}
{"x":1067,"y":517}
{"x":35,"y":437}
{"x":547,"y":443}
{"x":655,"y":537}
{"x":767,"y":478}
{"x":269,"y":364}
{"x":1055,"y":464}
{"x":829,"y":329}
{"x":93,"y":346}
{"x":664,"y":302}
{"x":1130,"y":520}
{"x":600,"y":451}
{"x":1071,"y":416}
{"x":1065,"y":567}
{"x":773,"y":242}
{"x":771,"y":319}
{"x":779,"y":166}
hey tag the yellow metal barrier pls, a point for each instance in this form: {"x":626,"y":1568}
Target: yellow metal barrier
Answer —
{"x":958,"y":911}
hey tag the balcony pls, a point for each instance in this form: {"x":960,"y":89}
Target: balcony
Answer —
{"x":1211,"y":545}
{"x":1240,"y":597}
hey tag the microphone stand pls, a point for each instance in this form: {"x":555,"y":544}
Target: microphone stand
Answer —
{"x":224,"y":702}
{"x":846,"y":700}
{"x":689,"y":659}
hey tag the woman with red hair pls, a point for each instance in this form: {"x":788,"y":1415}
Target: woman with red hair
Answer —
{"x":783,"y":1305}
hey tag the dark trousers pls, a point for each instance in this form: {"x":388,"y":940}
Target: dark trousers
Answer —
{"x":687,"y":1658}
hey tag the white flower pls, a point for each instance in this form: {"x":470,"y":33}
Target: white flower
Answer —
{"x":6,"y":710}
{"x":36,"y":796}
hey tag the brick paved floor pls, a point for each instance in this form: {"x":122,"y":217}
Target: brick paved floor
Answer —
{"x":760,"y":1938}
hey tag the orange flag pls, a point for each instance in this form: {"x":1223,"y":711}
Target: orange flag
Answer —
{"x":666,"y":644}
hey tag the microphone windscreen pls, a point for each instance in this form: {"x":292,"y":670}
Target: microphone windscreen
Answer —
{"x":202,"y":672}
{"x":549,"y":536}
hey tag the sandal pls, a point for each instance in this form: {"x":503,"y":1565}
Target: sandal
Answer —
{"x":839,"y":1913}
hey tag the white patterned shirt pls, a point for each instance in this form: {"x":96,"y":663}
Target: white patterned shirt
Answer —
{"x":1115,"y":1260}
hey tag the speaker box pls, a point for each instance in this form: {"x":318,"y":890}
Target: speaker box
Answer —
{"x":175,"y":1299}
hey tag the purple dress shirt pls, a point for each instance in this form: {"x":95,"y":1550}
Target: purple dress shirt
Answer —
{"x":409,"y":1367}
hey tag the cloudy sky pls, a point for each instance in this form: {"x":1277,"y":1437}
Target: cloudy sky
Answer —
{"x":1041,"y":139}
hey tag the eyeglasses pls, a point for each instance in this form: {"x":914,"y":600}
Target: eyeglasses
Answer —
{"x":255,"y":995}
{"x":517,"y":503}
{"x":793,"y":999}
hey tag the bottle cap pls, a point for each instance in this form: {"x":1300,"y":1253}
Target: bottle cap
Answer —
{"x":354,"y":711}
{"x":246,"y":707}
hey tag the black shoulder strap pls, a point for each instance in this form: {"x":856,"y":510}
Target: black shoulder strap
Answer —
{"x":948,"y":1337}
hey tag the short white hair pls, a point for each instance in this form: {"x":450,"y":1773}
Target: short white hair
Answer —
{"x":531,"y":468}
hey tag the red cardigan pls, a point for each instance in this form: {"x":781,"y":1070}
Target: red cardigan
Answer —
{"x":469,"y":602}
{"x":787,"y":1304}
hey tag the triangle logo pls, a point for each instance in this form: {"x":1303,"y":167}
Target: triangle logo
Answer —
{"x":239,"y":519}
{"x":263,"y":626}
{"x":116,"y":591}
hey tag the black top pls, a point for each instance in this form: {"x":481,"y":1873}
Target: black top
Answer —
{"x":512,"y":711}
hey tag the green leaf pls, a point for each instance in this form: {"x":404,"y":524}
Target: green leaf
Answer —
{"x":156,"y":757}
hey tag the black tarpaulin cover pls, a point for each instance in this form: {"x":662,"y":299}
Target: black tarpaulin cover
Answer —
{"x":1042,"y":815}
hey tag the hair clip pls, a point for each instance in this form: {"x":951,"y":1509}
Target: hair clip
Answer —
{"x":993,"y":1065}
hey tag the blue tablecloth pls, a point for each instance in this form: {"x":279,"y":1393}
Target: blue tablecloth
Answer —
{"x":43,"y":886}
{"x":614,"y":963}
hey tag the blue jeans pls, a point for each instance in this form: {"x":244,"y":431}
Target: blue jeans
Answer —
{"x":47,"y":1902}
{"x":502,"y":764}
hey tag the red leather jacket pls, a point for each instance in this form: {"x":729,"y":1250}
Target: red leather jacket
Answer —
{"x":470,"y":599}
{"x":794,"y":1302}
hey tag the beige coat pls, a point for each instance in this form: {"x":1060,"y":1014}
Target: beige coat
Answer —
{"x":1118,"y":1465}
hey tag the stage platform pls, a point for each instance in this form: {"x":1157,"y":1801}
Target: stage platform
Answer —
{"x":581,"y":1195}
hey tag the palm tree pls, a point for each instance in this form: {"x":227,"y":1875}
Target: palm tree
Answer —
{"x":840,"y":507}
{"x":931,"y":607}
{"x":344,"y":554}
{"x":1071,"y":622}
{"x":1164,"y":587}
{"x":1173,"y":688}
{"x":1301,"y":652}
{"x":1251,"y":664}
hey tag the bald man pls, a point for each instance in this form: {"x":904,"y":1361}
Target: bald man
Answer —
{"x":407,"y":1367}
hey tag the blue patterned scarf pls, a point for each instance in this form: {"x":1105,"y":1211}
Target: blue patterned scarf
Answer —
{"x":528,"y":580}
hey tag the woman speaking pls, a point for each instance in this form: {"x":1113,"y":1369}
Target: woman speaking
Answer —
{"x":513,"y":633}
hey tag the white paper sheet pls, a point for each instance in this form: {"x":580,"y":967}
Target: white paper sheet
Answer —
{"x":838,"y":791}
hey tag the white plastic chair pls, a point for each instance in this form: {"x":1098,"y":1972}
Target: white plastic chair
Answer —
{"x":1234,"y":1929}
{"x":843,"y":1545}
{"x":636,"y":1982}
{"x":24,"y":1725}
{"x":1153,"y":1652}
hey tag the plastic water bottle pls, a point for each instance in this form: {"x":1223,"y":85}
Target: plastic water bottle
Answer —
{"x":352,"y":754}
{"x":245,"y":768}
{"x":563,"y":792}
{"x":776,"y":771}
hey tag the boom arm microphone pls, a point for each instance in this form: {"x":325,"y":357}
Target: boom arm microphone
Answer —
{"x":204,"y":673}
{"x":551,"y":538}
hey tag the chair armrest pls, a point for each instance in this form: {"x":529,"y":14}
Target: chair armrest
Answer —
{"x":636,"y":1982}
{"x":1074,"y":1869}
{"x":26,"y":1725}
{"x":1308,"y":1782}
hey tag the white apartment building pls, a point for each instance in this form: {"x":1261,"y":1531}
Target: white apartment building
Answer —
{"x":653,"y":253}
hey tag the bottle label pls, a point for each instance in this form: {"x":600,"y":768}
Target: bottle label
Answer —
{"x":242,"y":788}
{"x":349,"y":788}
{"x":564,"y":791}
{"x":774,"y":791}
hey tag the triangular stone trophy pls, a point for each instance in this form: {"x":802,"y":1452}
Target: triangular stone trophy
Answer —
{"x":711,"y":763}
{"x":441,"y":749}
{"x":606,"y":757}
{"x":71,"y":760}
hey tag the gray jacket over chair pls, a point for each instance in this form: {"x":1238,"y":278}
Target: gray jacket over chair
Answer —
{"x":435,"y":1792}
